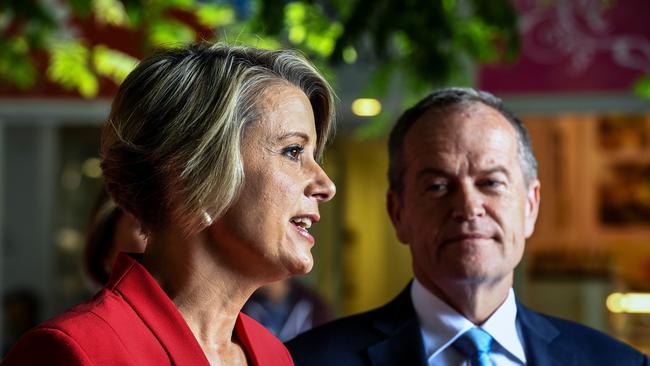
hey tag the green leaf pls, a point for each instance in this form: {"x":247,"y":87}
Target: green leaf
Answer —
{"x":113,"y":64}
{"x":170,"y":33}
{"x":297,"y":33}
{"x":250,"y":39}
{"x":215,"y":15}
{"x":16,"y":67}
{"x":642,"y":86}
{"x":294,"y":12}
{"x":110,"y":12}
{"x":182,"y":4}
{"x":349,"y":55}
{"x":69,"y":67}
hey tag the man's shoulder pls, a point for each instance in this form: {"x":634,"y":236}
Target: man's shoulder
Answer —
{"x":350,"y":340}
{"x":574,"y":336}
{"x":342,"y":341}
{"x":341,"y":331}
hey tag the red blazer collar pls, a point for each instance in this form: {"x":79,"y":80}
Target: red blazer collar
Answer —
{"x":139,"y":289}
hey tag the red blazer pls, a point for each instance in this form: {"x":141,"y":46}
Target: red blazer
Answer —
{"x":131,"y":321}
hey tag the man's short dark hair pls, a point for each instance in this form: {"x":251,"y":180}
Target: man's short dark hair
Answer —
{"x":443,"y":100}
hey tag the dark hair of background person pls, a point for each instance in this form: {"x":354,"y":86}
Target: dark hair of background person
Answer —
{"x":450,"y":99}
{"x":99,"y":237}
{"x":110,"y":231}
{"x":21,"y":311}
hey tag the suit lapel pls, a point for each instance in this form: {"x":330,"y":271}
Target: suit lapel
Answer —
{"x":540,"y":340}
{"x":403,"y":342}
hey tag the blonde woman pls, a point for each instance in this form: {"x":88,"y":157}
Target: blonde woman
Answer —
{"x":214,"y":150}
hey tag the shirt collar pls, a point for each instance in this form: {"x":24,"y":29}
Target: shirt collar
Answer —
{"x":502,"y":326}
{"x":441,"y":324}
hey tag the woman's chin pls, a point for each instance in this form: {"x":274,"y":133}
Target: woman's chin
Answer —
{"x":301,"y":264}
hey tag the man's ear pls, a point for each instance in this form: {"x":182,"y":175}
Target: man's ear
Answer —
{"x":394,"y":208}
{"x":532,"y":207}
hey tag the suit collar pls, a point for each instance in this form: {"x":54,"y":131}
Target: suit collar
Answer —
{"x":403,"y":342}
{"x":540,"y":340}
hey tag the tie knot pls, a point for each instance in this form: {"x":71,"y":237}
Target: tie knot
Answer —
{"x":475,"y":344}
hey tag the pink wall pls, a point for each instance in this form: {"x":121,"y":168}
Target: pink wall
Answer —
{"x":576,"y":46}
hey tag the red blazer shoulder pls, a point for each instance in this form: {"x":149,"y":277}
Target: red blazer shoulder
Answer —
{"x":132,"y":322}
{"x":92,"y":333}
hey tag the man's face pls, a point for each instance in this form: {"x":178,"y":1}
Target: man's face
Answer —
{"x":465,"y":209}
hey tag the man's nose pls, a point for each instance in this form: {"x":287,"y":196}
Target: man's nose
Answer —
{"x":469,"y":203}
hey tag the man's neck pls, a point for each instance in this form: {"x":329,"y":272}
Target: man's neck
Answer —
{"x":476,"y":301}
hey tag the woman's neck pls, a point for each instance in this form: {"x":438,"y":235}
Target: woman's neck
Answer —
{"x":208,"y":293}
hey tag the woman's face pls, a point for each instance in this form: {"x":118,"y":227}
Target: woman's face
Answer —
{"x":266,"y":231}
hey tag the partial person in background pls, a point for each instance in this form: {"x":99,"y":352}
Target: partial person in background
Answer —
{"x":464,"y":196}
{"x":214,"y":150}
{"x":287,"y":308}
{"x":111,"y":231}
{"x":21,"y":311}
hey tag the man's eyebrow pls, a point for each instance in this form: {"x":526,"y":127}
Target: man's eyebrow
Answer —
{"x":442,"y":173}
{"x":497,"y":169}
{"x":432,"y":171}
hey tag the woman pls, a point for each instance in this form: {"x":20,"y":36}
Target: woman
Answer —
{"x":214,"y":150}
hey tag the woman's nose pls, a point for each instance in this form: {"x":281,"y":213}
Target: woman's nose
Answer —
{"x":321,"y":187}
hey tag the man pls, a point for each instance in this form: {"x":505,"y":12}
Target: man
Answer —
{"x":464,"y":196}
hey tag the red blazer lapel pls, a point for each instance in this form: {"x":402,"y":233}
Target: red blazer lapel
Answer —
{"x":157,"y":311}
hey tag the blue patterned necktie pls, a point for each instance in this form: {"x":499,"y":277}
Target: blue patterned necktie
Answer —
{"x":475,"y":345}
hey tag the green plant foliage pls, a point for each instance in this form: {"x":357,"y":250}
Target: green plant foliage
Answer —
{"x":69,"y":66}
{"x":215,"y":15}
{"x":308,"y":28}
{"x":113,"y":64}
{"x":427,"y":43}
{"x":430,"y":43}
{"x":110,"y":12}
{"x":169,"y":33}
{"x":642,"y":87}
{"x":15,"y":65}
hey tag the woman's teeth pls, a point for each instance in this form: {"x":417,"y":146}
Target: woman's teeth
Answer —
{"x":303,"y":222}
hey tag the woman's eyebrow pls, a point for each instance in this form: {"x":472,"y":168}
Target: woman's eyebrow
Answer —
{"x":291,"y":134}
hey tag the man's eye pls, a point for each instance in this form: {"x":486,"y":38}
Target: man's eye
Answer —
{"x":293,"y":151}
{"x":491,"y":183}
{"x":437,"y":187}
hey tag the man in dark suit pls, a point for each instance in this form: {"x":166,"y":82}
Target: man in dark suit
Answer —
{"x":464,"y":196}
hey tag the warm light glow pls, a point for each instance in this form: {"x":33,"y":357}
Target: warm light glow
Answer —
{"x":366,"y":107}
{"x":91,"y":168}
{"x":628,"y":302}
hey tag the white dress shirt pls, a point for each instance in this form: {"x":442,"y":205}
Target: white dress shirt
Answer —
{"x":440,"y":325}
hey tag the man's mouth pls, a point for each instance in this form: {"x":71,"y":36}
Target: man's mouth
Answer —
{"x":468,"y":237}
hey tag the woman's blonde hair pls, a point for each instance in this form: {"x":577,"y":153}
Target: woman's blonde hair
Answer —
{"x":171,"y":148}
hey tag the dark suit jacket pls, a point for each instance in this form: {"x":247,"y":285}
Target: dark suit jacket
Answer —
{"x":390,"y":335}
{"x":132,"y":322}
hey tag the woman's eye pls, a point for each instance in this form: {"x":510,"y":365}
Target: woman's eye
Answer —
{"x":294,"y":151}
